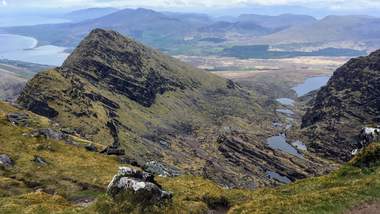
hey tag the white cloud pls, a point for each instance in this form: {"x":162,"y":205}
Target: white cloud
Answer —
{"x":330,"y":4}
{"x":4,"y":3}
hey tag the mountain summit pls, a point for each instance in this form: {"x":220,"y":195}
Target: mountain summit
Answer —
{"x":128,"y":68}
{"x":117,"y":92}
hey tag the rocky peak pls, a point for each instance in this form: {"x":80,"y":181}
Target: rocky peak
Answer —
{"x":349,"y":102}
{"x":121,"y":65}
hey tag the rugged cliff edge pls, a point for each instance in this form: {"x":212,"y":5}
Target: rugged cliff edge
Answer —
{"x":115,"y":91}
{"x":349,"y":102}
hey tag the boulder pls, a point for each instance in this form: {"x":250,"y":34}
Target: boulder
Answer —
{"x":369,"y":135}
{"x":91,"y":147}
{"x":72,"y":143}
{"x":19,"y":119}
{"x":159,"y":169}
{"x":127,"y":160}
{"x":39,"y":160}
{"x":111,"y":150}
{"x":138,"y":185}
{"x":49,"y":134}
{"x":5,"y":161}
{"x":164,"y":144}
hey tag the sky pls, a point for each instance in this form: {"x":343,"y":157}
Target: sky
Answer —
{"x":299,"y":6}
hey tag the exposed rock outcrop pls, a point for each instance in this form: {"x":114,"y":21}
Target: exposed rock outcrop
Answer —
{"x":91,"y":147}
{"x":6,"y":161}
{"x":19,"y":119}
{"x":39,"y":160}
{"x":234,"y":146}
{"x":159,"y":169}
{"x":49,"y":133}
{"x":110,"y":150}
{"x":369,"y":135}
{"x":140,"y":186}
{"x":40,"y":107}
{"x":350,"y":101}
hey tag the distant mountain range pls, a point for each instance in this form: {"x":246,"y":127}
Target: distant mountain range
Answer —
{"x":89,"y":13}
{"x":330,"y":29}
{"x":258,"y":25}
{"x":182,"y":33}
{"x":145,"y":25}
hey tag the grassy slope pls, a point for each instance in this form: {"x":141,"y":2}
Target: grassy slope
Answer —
{"x":72,"y":172}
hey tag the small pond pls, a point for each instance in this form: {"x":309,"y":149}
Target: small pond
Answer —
{"x":311,"y":84}
{"x":279,"y":143}
{"x":285,"y":101}
{"x":278,"y":177}
{"x":285,"y":111}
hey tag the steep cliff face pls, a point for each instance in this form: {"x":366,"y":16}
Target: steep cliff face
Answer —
{"x":113,"y":90}
{"x":349,"y":102}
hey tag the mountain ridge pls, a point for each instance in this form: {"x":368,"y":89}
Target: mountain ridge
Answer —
{"x":89,"y":13}
{"x":339,"y":28}
{"x":340,"y":111}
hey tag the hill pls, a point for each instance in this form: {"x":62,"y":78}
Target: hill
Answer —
{"x":194,"y":18}
{"x":115,"y":91}
{"x":88,"y":13}
{"x":148,"y":26}
{"x":348,"y":103}
{"x":329,"y":29}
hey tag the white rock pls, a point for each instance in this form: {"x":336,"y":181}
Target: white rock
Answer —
{"x":373,"y":131}
{"x":140,"y":183}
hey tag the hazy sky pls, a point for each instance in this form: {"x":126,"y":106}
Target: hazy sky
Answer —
{"x":332,"y":6}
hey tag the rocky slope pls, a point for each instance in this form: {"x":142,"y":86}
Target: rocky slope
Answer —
{"x":55,"y":172}
{"x":45,"y":170}
{"x":349,"y":102}
{"x":117,"y":92}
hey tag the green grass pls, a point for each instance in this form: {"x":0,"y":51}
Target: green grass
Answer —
{"x":71,"y":172}
{"x":37,"y":203}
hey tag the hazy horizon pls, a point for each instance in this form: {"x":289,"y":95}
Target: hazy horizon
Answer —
{"x":316,"y":8}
